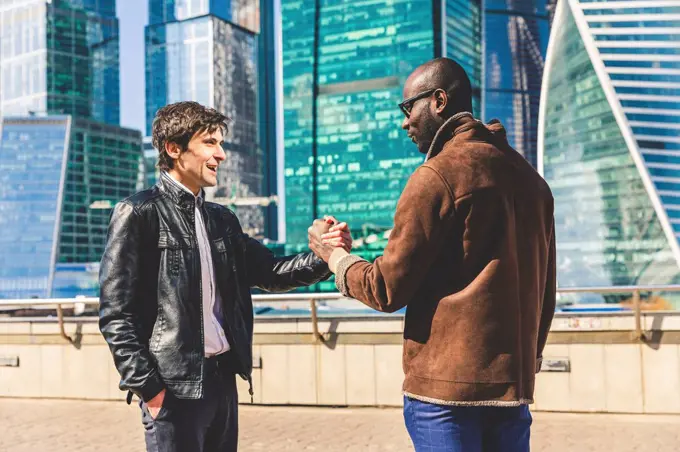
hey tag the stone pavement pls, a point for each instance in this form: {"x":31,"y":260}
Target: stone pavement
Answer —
{"x":70,"y":426}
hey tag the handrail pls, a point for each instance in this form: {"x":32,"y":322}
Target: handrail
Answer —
{"x":638,"y":335}
{"x":95,"y":300}
{"x":621,"y":289}
{"x":313,"y":298}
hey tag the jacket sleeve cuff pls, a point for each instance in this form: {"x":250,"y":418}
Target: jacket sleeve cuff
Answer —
{"x":322,"y":269}
{"x":151,"y":389}
{"x":341,"y":272}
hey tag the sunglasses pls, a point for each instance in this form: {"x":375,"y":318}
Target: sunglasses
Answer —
{"x":407,"y":104}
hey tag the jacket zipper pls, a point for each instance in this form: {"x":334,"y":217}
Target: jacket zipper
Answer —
{"x":200,"y":296}
{"x":231,"y":338}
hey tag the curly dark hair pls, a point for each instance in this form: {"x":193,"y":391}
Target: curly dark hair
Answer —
{"x":179,"y":122}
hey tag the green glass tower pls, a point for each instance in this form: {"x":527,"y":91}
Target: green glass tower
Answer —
{"x":344,"y":67}
{"x":343,"y":73}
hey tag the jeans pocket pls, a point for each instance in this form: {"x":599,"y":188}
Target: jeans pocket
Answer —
{"x":163,"y":412}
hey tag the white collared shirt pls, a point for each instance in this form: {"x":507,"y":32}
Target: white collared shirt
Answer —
{"x":213,"y":317}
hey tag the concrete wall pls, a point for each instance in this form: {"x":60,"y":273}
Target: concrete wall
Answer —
{"x":359,"y":363}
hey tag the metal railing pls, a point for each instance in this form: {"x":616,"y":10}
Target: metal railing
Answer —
{"x":60,"y":303}
{"x":638,"y":334}
{"x":313,"y":298}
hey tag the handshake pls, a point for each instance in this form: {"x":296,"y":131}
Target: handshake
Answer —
{"x":328,"y":235}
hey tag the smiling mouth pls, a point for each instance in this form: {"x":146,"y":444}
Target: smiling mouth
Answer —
{"x":212,"y":168}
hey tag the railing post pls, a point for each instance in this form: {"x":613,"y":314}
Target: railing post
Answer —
{"x":638,"y":335}
{"x":62,"y":331}
{"x":315,"y":321}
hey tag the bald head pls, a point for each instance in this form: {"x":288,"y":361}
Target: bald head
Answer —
{"x":433,"y":93}
{"x":448,"y":75}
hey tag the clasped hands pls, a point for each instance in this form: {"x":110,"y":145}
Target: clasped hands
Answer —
{"x":328,"y":235}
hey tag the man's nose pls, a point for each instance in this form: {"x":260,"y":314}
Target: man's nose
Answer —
{"x":220,"y":154}
{"x":404,"y":125}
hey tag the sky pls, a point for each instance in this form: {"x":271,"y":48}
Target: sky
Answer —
{"x":132,"y":16}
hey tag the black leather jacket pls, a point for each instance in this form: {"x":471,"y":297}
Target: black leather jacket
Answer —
{"x":151,"y":312}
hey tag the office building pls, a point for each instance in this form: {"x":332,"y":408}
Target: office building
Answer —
{"x":60,"y":57}
{"x":206,"y":51}
{"x":344,"y":68}
{"x":515,"y":42}
{"x":609,"y":142}
{"x":59,"y":178}
{"x":64,"y":161}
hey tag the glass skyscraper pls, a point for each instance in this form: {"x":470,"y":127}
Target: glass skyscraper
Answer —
{"x":29,"y":203}
{"x":64,"y":161}
{"x":206,"y":51}
{"x":60,"y":56}
{"x":151,"y":171}
{"x":515,"y":41}
{"x":59,"y":175}
{"x":341,"y":88}
{"x":363,"y":159}
{"x":609,"y":141}
{"x":462,"y":39}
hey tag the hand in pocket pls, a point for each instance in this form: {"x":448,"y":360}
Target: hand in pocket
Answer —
{"x":156,"y":404}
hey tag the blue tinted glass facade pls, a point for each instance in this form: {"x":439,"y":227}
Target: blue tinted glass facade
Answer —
{"x":33,"y":154}
{"x":615,"y":181}
{"x":178,"y":64}
{"x":206,"y":51}
{"x":462,"y":34}
{"x":643,"y":68}
{"x":60,"y":57}
{"x":244,"y":13}
{"x":363,"y":157}
{"x":515,"y":43}
{"x":56,"y":174}
{"x":76,"y":280}
{"x":59,"y":71}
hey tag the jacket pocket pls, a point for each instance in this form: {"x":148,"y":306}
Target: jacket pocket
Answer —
{"x":222,"y":259}
{"x":172,"y":247}
{"x":172,"y":287}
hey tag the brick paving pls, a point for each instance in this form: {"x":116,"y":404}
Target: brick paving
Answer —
{"x":70,"y":426}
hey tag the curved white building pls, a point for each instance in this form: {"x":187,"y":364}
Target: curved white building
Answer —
{"x":609,"y":140}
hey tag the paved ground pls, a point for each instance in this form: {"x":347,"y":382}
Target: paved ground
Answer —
{"x":61,"y":426}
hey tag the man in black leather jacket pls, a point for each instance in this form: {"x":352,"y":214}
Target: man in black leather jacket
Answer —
{"x":175,"y":304}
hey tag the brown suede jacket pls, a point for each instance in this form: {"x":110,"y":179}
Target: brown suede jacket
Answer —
{"x":472,"y":254}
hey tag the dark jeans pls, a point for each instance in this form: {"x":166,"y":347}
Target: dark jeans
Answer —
{"x":441,"y":428}
{"x":209,"y":424}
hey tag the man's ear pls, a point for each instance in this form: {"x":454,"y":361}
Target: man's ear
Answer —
{"x":442,"y":100}
{"x":173,"y":150}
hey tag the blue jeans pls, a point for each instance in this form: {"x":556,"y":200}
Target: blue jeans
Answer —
{"x":441,"y":428}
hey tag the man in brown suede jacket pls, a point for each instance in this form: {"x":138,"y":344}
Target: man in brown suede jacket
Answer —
{"x":472,"y":255}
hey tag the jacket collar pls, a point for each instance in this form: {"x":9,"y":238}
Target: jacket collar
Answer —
{"x":454,"y":125}
{"x":179,"y":193}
